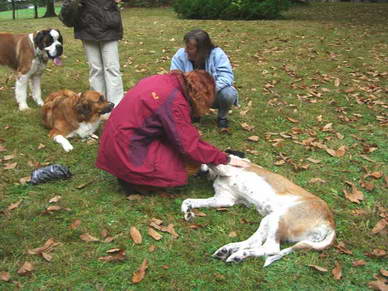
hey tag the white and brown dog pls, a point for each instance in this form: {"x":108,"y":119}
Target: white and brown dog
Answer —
{"x":69,"y":114}
{"x":290,"y":213}
{"x":28,"y":54}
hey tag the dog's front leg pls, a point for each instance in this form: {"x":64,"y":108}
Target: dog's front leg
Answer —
{"x":216,"y":201}
{"x":36,"y":90}
{"x":64,"y":142}
{"x":21,"y":91}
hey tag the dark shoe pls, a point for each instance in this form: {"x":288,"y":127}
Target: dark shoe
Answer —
{"x":127,"y":188}
{"x":222,"y":123}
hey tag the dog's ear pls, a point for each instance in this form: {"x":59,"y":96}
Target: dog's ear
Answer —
{"x":39,"y":39}
{"x":83,"y":109}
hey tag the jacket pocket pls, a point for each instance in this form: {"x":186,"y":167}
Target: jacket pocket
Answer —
{"x":112,"y":15}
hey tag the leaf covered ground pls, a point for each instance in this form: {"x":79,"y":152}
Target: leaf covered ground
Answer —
{"x":313,"y":90}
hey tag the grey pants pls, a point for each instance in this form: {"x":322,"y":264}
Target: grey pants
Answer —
{"x":104,"y":69}
{"x":225,"y":98}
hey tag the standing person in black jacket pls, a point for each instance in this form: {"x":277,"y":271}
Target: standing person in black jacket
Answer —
{"x":98,"y":24}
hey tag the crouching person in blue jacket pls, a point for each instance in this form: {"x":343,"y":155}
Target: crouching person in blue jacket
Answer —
{"x":200,"y":53}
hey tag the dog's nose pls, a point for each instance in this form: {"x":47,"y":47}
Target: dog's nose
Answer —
{"x":107,"y":108}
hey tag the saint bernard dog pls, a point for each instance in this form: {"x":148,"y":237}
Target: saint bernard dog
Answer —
{"x":290,"y":212}
{"x":28,"y":54}
{"x":69,"y":114}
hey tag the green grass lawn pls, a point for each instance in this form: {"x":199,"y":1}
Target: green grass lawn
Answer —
{"x":313,"y":81}
{"x":24,"y":13}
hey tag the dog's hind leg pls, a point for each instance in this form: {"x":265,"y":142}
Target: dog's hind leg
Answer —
{"x":216,"y":201}
{"x":253,"y":242}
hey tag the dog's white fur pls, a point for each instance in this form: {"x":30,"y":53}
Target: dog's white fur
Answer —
{"x":290,"y":213}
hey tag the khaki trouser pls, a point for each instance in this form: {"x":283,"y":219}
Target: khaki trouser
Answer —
{"x":104,"y":69}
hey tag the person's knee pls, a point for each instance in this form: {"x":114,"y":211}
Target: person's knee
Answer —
{"x":227,"y":96}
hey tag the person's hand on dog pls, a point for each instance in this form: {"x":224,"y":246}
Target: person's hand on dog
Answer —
{"x":237,"y":162}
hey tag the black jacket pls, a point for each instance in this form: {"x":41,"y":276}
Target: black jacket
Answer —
{"x":97,"y":20}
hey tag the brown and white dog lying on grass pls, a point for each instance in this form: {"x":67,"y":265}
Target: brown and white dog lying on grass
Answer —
{"x":290,"y":213}
{"x":68,"y":114}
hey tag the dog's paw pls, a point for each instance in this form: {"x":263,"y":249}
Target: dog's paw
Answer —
{"x":186,"y":209}
{"x":225,"y":251}
{"x":23,"y":107}
{"x":67,"y":147}
{"x":237,"y":257}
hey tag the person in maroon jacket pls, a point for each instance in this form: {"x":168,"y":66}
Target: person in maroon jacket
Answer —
{"x":149,"y":139}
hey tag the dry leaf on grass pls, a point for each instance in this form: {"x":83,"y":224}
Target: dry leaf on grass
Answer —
{"x":53,"y":208}
{"x":151,"y":248}
{"x":232,"y":234}
{"x":88,"y":238}
{"x":380,"y":225}
{"x":253,"y":138}
{"x":26,"y":269}
{"x":138,"y":276}
{"x":355,"y":196}
{"x":384,"y":272}
{"x":316,"y":180}
{"x":341,"y":246}
{"x":75,"y":224}
{"x":25,"y":180}
{"x":154,"y":234}
{"x":14,"y":205}
{"x":314,"y":160}
{"x":115,"y":255}
{"x":337,"y":271}
{"x":378,"y":285}
{"x":46,"y":248}
{"x":55,"y":199}
{"x":9,"y":157}
{"x":377,"y":253}
{"x":292,"y":120}
{"x":134,"y":197}
{"x":5,"y":276}
{"x":318,"y":268}
{"x":358,"y":263}
{"x":10,"y":166}
{"x":135,"y":235}
{"x":199,"y":213}
{"x":247,"y":126}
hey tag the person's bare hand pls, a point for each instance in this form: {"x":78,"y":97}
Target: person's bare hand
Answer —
{"x":237,"y":162}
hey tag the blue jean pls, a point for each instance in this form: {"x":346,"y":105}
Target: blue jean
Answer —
{"x":225,"y":98}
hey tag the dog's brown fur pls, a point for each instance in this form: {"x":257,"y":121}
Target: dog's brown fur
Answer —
{"x":64,"y":110}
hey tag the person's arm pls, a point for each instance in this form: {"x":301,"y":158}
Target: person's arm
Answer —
{"x":184,"y":137}
{"x":177,"y":61}
{"x":224,"y":74}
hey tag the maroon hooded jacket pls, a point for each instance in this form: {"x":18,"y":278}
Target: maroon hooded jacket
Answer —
{"x":149,"y":134}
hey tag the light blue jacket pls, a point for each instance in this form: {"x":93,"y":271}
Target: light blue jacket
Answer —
{"x":217,"y":65}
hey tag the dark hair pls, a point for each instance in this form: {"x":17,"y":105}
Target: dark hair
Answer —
{"x":204,"y":43}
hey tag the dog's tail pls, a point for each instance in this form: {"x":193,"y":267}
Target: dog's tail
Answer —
{"x":304,"y":244}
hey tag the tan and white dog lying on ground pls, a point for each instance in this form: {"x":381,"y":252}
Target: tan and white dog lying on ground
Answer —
{"x":28,"y":55}
{"x":69,"y":114}
{"x":290,"y":213}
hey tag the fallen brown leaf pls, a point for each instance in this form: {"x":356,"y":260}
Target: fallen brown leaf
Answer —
{"x":341,"y":246}
{"x":47,"y":247}
{"x":313,"y":160}
{"x":9,"y":157}
{"x":318,"y":268}
{"x":380,"y":225}
{"x":232,"y":234}
{"x":170,"y":229}
{"x":377,"y":253}
{"x":25,"y":180}
{"x":53,"y":208}
{"x":157,"y":221}
{"x":378,"y":285}
{"x":41,"y":146}
{"x":88,"y":238}
{"x":247,"y":126}
{"x":10,"y":166}
{"x":133,"y":197}
{"x":116,"y":255}
{"x":317,"y":180}
{"x":75,"y":224}
{"x":196,"y":226}
{"x":138,"y":276}
{"x":355,"y":196}
{"x":253,"y":138}
{"x":47,"y":256}
{"x":199,"y":213}
{"x":26,"y":269}
{"x":5,"y":276}
{"x":154,"y":234}
{"x":367,"y":185}
{"x":384,"y":272}
{"x":55,"y":199}
{"x":337,"y":271}
{"x":14,"y":205}
{"x":135,"y":235}
{"x":358,"y":263}
{"x":292,"y":120}
{"x":151,"y":248}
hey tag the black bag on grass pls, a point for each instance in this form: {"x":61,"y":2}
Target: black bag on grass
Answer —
{"x":52,"y":172}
